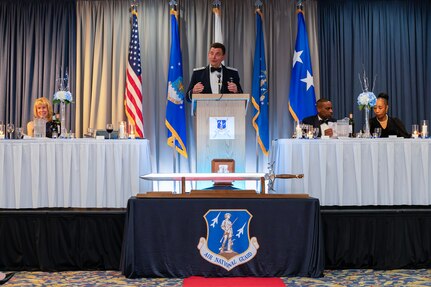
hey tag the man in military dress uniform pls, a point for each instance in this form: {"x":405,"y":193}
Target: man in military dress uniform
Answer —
{"x":214,"y":78}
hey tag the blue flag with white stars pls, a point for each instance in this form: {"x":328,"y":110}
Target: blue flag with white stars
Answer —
{"x":260,"y":89}
{"x":175,"y":108}
{"x":302,"y":98}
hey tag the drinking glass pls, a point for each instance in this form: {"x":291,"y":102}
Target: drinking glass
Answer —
{"x":2,"y":131}
{"x":10,"y":128}
{"x":109,"y":129}
{"x":132,"y":131}
{"x":315,"y":133}
{"x":377,"y":132}
{"x":19,"y":133}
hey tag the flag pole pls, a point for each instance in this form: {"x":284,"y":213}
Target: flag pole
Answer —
{"x":172,"y":5}
{"x":258,"y":6}
{"x":174,"y":162}
{"x":256,"y":147}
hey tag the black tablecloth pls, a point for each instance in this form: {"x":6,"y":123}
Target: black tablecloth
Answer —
{"x":161,"y":237}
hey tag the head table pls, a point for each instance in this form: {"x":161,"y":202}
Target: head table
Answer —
{"x":79,"y":173}
{"x":354,"y":172}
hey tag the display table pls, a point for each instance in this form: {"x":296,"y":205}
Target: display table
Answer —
{"x":161,"y":237}
{"x":81,"y":173}
{"x":356,"y":171}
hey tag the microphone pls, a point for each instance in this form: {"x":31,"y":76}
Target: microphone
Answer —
{"x":219,"y":82}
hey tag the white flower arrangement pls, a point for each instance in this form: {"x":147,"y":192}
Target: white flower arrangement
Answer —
{"x":62,"y":97}
{"x":366,"y":99}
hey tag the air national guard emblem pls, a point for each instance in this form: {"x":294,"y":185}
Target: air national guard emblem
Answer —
{"x":228,"y":243}
{"x":221,"y":124}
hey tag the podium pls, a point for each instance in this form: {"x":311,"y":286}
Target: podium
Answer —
{"x":220,"y":130}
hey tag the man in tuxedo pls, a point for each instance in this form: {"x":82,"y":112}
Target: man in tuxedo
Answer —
{"x":323,"y":117}
{"x":214,"y":78}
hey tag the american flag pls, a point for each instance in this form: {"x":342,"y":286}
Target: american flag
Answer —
{"x":133,"y":101}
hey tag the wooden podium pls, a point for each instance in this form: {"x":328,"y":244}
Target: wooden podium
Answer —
{"x":220,"y":130}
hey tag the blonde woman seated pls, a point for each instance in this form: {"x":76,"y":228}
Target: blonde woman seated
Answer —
{"x":42,"y":109}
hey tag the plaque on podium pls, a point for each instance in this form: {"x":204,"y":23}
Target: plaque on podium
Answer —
{"x":220,"y":131}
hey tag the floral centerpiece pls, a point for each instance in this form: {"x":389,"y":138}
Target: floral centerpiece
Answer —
{"x":63,"y":96}
{"x":366,"y":100}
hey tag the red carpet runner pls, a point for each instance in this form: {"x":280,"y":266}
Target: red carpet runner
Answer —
{"x":196,"y":281}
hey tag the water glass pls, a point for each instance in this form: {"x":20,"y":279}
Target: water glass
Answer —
{"x":131,"y":131}
{"x":2,"y":130}
{"x":316,"y":133}
{"x":10,"y":129}
{"x":19,"y":133}
{"x":377,"y":132}
{"x":54,"y":134}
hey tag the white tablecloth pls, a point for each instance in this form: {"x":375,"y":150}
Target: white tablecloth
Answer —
{"x":82,"y":173}
{"x":356,"y":171}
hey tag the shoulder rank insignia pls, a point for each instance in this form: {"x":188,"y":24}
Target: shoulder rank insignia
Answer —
{"x":233,"y":69}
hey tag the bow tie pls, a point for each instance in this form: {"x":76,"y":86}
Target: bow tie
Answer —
{"x":215,"y":69}
{"x":323,"y":122}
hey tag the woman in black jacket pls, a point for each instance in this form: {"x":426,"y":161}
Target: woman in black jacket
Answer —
{"x":389,"y":125}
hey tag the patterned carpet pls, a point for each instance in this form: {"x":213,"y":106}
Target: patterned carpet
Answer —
{"x":333,"y":278}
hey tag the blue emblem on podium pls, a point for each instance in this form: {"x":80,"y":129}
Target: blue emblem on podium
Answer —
{"x":228,"y":243}
{"x":221,"y":124}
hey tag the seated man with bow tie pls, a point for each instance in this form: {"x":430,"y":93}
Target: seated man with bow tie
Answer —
{"x":323,"y":117}
{"x":214,"y":78}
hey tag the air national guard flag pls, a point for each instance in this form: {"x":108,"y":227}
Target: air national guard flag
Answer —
{"x":133,"y":96}
{"x":175,"y":108}
{"x":260,"y":88}
{"x":302,"y":100}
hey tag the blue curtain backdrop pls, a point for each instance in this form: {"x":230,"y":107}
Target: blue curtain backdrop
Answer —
{"x":37,"y":40}
{"x":390,"y":39}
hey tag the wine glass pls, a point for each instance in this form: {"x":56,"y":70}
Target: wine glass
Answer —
{"x":10,"y":128}
{"x":377,"y":132}
{"x":109,"y":129}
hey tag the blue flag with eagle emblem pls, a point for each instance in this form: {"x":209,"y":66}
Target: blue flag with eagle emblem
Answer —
{"x":175,"y":108}
{"x":302,"y":99}
{"x":260,"y":88}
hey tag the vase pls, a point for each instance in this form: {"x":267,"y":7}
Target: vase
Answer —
{"x":63,"y":132}
{"x":367,"y":133}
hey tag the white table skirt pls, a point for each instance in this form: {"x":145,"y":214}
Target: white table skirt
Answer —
{"x":81,"y":173}
{"x":349,"y":172}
